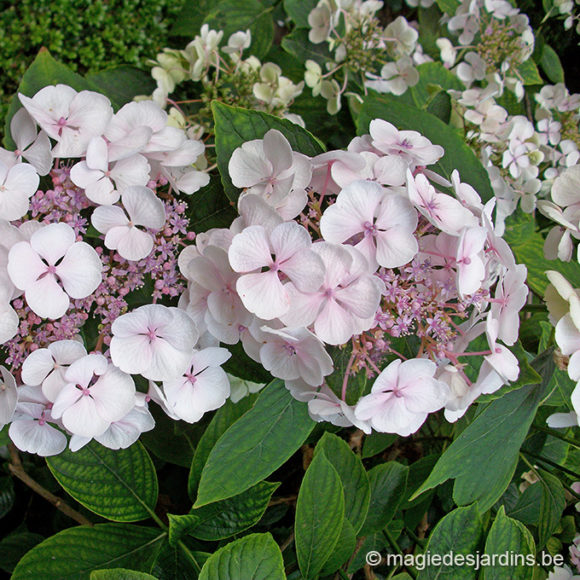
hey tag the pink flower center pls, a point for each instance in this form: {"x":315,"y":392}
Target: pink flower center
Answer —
{"x":369,"y":229}
{"x":290,"y":349}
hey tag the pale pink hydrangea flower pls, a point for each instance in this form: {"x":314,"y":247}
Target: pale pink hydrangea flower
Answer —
{"x":18,"y":183}
{"x":402,"y":396}
{"x":68,"y":117}
{"x":95,"y":394}
{"x":203,"y":387}
{"x":31,"y":428}
{"x":286,"y":250}
{"x":269,"y":168}
{"x":47,"y":366}
{"x":52,"y":268}
{"x":8,"y":397}
{"x":345,"y":303}
{"x":386,"y":220}
{"x":154,"y":341}
{"x":295,"y":353}
{"x":144,"y":209}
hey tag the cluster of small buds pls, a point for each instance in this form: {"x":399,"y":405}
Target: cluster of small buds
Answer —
{"x":364,"y":52}
{"x":495,"y":39}
{"x":225,"y":76}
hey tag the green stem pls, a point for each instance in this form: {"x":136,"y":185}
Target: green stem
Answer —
{"x":556,"y":434}
{"x":189,"y":556}
{"x":415,"y":538}
{"x":553,"y":464}
{"x":395,"y":546}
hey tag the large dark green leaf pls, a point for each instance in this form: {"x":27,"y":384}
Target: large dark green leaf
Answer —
{"x":255,"y":445}
{"x":225,"y":518}
{"x":459,"y":532}
{"x":551,"y":64}
{"x":433,"y":76}
{"x":74,"y":553}
{"x":510,"y":536}
{"x":222,"y":420}
{"x":122,"y":84}
{"x":189,"y":21}
{"x":118,"y":485}
{"x":552,"y":505}
{"x":297,"y":44}
{"x":319,"y":513}
{"x":355,"y":482}
{"x":210,"y":208}
{"x":179,"y":562}
{"x":388,"y":482}
{"x":233,"y":15}
{"x":457,"y":154}
{"x":255,"y":556}
{"x":14,"y":546}
{"x":298,"y":10}
{"x":482,"y":460}
{"x":120,"y":574}
{"x":7,"y":495}
{"x":234,"y":126}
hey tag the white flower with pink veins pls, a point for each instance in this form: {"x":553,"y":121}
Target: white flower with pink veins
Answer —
{"x":142,"y":208}
{"x":203,"y":387}
{"x":52,"y":268}
{"x":68,"y":117}
{"x":18,"y":183}
{"x":347,"y":300}
{"x":47,"y":366}
{"x":269,"y":168}
{"x":410,"y":145}
{"x":96,"y":393}
{"x":154,"y":341}
{"x":402,"y":397}
{"x":286,"y":250}
{"x":385,"y":222}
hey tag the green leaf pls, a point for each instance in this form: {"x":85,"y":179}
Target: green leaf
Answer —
{"x":355,"y":482}
{"x":121,"y":84}
{"x":234,"y":126}
{"x":14,"y":546}
{"x":297,"y":44}
{"x":433,"y":76}
{"x":509,"y":535}
{"x":388,"y":482}
{"x":457,"y":154}
{"x":7,"y":495}
{"x":228,"y":517}
{"x":243,"y":367}
{"x":530,"y":73}
{"x":528,"y":248}
{"x":527,"y":508}
{"x":319,"y":508}
{"x":483,"y":459}
{"x":43,"y":71}
{"x":189,"y":21}
{"x":75,"y":552}
{"x":255,"y":445}
{"x":222,"y":420}
{"x":459,"y":532}
{"x":345,"y":546}
{"x":118,"y":485}
{"x":298,"y":11}
{"x":376,"y":443}
{"x":256,"y":556}
{"x":210,"y":208}
{"x":180,"y":562}
{"x":120,"y":574}
{"x":551,"y":506}
{"x":233,"y":15}
{"x":448,"y":6}
{"x":170,"y":440}
{"x":551,"y":65}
